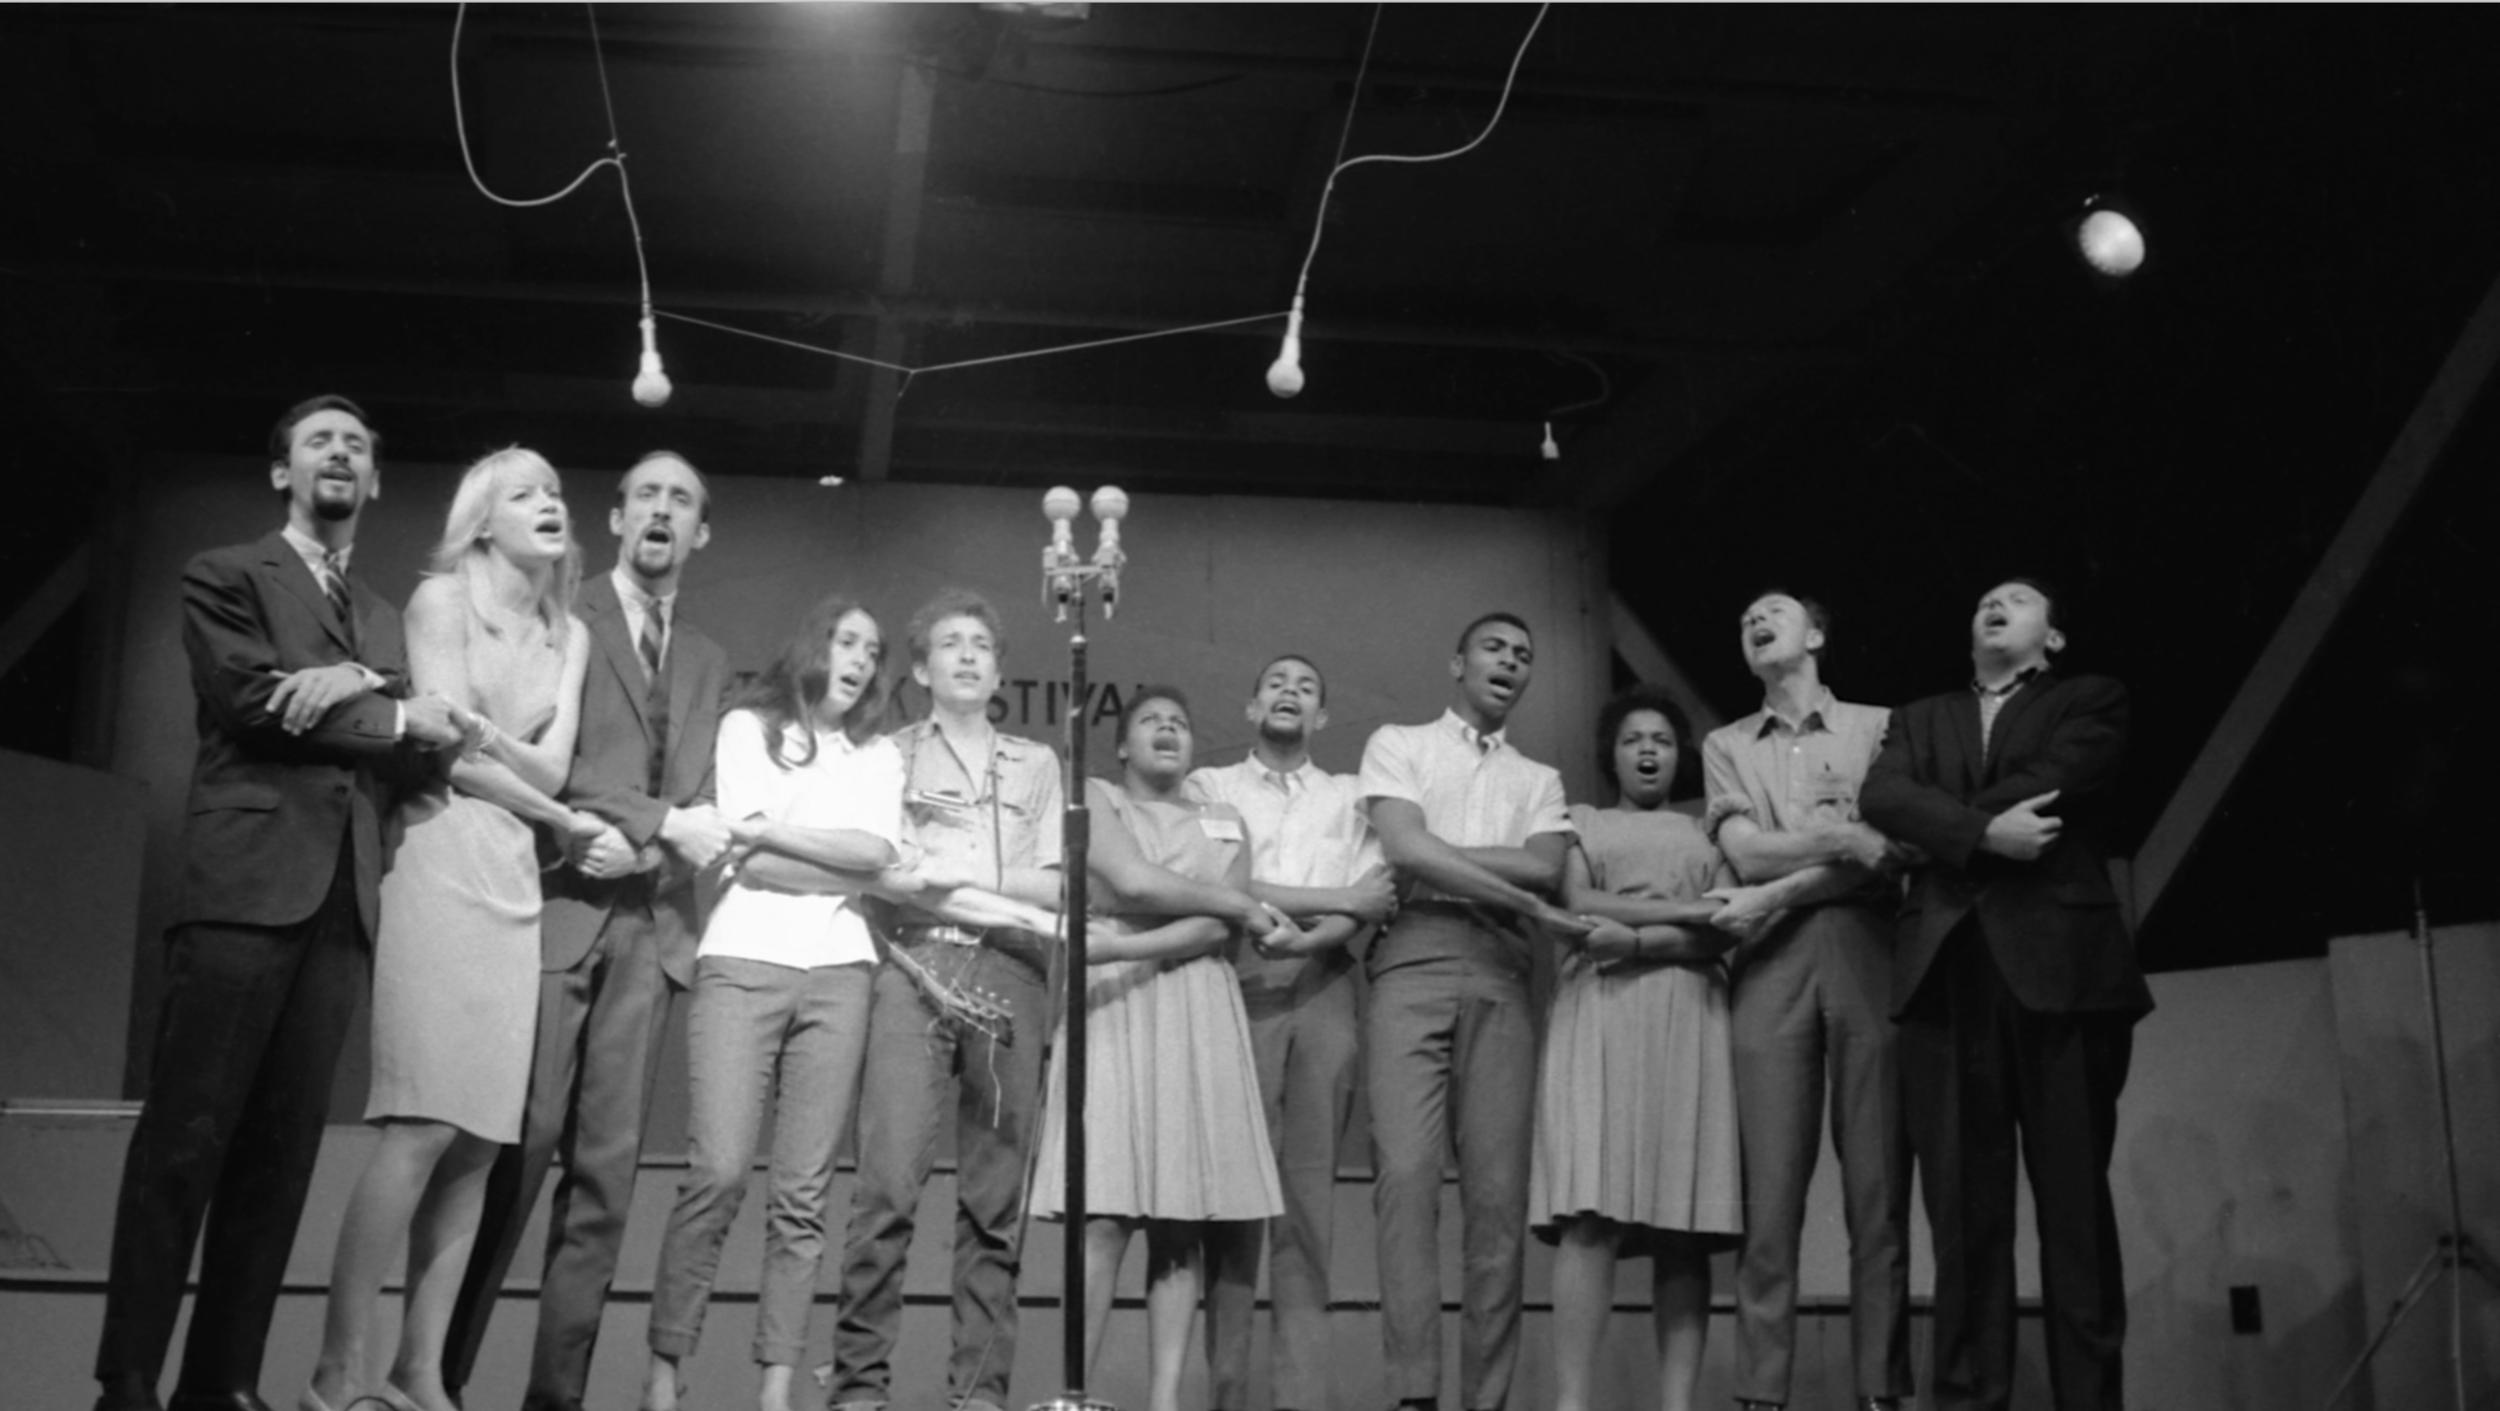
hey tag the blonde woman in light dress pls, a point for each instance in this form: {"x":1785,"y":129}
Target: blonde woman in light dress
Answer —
{"x":1175,"y":1134}
{"x":1636,"y":1145}
{"x":455,"y":980}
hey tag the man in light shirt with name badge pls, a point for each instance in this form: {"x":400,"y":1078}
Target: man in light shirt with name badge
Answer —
{"x":1313,"y":857}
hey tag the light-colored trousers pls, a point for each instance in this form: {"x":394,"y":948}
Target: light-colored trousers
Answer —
{"x":1450,"y":1053}
{"x":757,"y":1029}
{"x":1305,"y":1047}
{"x":1813,"y":1010}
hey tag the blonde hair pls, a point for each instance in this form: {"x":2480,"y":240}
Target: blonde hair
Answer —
{"x":462,"y":551}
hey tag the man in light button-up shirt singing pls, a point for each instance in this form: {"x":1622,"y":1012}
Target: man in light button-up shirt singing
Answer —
{"x":1450,"y":1040}
{"x":1313,"y":857}
{"x":1813,"y":996}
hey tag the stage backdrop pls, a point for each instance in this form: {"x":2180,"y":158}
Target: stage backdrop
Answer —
{"x":1375,"y":593}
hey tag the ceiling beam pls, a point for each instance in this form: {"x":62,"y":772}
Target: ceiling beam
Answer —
{"x":1649,"y":661}
{"x":2322,"y":599}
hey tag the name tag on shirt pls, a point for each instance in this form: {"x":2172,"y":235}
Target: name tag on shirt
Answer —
{"x":1223,"y":830}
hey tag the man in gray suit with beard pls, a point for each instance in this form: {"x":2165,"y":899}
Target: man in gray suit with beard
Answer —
{"x":618,"y":935}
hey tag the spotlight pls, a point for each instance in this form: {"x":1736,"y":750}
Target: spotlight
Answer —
{"x":1284,"y":376}
{"x":651,"y":386}
{"x":2110,"y":242}
{"x":1549,"y":450}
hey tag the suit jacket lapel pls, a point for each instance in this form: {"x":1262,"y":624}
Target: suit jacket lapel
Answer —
{"x":2015,"y":705}
{"x":287,"y":566}
{"x":606,"y":617}
{"x":680,"y":690}
{"x":1963,"y":711}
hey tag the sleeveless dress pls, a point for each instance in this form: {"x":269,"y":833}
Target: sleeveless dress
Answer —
{"x":455,"y":968}
{"x":1174,"y":1126}
{"x":1636,"y":1104}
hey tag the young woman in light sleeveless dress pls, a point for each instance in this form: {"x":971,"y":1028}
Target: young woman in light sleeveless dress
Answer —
{"x":1636,"y":1146}
{"x":455,"y":982}
{"x":1175,"y":1135}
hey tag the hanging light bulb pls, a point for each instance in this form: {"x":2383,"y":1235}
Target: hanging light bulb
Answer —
{"x":1549,"y":450}
{"x":1284,"y":376}
{"x":651,"y":385}
{"x":2109,"y":240}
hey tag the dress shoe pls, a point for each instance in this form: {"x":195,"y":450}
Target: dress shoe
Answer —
{"x":126,"y":1391}
{"x":245,"y":1399}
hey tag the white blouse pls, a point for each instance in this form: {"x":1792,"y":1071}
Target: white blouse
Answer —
{"x":845,"y":786}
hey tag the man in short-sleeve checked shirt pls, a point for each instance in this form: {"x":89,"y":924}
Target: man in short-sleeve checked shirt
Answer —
{"x":1813,"y":1002}
{"x":1450,"y":1039}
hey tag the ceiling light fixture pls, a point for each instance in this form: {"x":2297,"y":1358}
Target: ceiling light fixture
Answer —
{"x":2109,"y":239}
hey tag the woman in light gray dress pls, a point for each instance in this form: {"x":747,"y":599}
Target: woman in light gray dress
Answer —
{"x":1636,"y":1146}
{"x":1176,"y":1137}
{"x":456,"y":961}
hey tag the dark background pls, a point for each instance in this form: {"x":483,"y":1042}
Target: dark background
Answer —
{"x":1807,"y":265}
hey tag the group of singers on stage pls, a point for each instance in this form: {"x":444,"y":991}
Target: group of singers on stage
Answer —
{"x":490,"y":812}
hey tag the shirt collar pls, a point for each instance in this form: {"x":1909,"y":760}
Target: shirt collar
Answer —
{"x":1818,"y":716}
{"x":2021,"y":679}
{"x":1289,"y":781}
{"x":630,"y":592}
{"x":1482,"y":742}
{"x":313,"y":552}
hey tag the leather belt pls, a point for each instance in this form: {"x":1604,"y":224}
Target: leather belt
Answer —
{"x":942,"y":933}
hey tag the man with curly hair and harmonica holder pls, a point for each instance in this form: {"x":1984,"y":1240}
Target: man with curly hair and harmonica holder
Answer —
{"x":961,"y":1006}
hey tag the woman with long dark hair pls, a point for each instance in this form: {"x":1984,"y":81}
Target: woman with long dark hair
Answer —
{"x":781,"y":982}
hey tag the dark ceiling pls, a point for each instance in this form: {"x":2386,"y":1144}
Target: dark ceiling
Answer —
{"x":1801,"y":270}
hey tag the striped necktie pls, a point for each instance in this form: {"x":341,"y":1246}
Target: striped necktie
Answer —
{"x":655,"y":697}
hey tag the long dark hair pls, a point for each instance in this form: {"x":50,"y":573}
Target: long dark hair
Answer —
{"x":790,"y":689}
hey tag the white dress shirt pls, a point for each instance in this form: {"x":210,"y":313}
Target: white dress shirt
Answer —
{"x":1476,"y":791}
{"x":845,"y":786}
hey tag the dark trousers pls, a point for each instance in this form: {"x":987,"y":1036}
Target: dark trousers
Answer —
{"x":1815,"y":1004}
{"x":918,"y":1066}
{"x":598,"y":1047}
{"x":1450,"y":1062}
{"x":1978,"y":1068}
{"x":246,"y":1046}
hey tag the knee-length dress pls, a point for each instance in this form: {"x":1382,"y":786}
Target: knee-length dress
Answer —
{"x":1636,"y":1108}
{"x":1174,"y":1126}
{"x":455,"y":968}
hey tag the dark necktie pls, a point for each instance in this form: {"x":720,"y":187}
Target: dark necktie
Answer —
{"x":655,"y":695}
{"x":334,"y":587}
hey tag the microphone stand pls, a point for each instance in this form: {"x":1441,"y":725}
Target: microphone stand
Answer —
{"x":2454,"y":1252}
{"x":1066,"y":581}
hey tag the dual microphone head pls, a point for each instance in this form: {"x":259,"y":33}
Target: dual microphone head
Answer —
{"x":1063,"y":572}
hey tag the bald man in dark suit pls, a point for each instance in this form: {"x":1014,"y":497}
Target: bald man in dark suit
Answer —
{"x":2017,"y":988}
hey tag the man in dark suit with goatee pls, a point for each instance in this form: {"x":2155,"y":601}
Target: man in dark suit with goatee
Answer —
{"x":2017,"y":988}
{"x":301,"y":675}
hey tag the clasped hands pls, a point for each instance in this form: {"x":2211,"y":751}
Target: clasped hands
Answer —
{"x":303,"y":696}
{"x":599,"y":850}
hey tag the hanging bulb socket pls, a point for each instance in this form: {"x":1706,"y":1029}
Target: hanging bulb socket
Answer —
{"x":1549,"y":450}
{"x":1284,"y":376}
{"x":651,"y":385}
